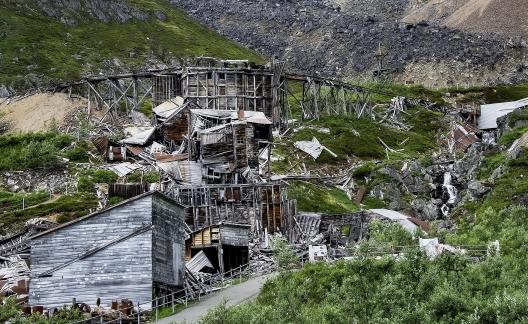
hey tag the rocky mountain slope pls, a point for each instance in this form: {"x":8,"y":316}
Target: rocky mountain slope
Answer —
{"x":44,"y":41}
{"x":342,"y":37}
{"x":507,"y":18}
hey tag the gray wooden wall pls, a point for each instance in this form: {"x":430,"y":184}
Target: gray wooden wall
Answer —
{"x":169,"y":242}
{"x":120,"y":271}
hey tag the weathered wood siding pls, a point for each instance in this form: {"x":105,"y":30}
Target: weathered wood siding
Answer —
{"x":235,"y":235}
{"x":123,"y":270}
{"x":169,"y":242}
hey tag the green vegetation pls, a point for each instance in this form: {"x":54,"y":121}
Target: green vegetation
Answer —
{"x":88,"y":179}
{"x":10,"y":313}
{"x":490,"y":163}
{"x":501,"y":93}
{"x":391,"y":90}
{"x":284,"y":256}
{"x":450,"y":289}
{"x":315,"y":198}
{"x":114,"y":201}
{"x":32,"y":150}
{"x":147,"y":177}
{"x":64,"y":209}
{"x":12,"y":201}
{"x":79,"y":153}
{"x":35,"y":44}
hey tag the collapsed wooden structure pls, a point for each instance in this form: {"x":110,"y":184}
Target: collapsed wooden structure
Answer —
{"x":263,"y":206}
{"x":226,"y":85}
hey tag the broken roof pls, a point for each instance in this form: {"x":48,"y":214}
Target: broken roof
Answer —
{"x":122,"y":169}
{"x":138,"y":135}
{"x":166,"y":109}
{"x":254,"y":117}
{"x":491,"y":112}
{"x":186,"y":171}
{"x":198,"y":262}
{"x":312,"y":148}
{"x":153,"y":192}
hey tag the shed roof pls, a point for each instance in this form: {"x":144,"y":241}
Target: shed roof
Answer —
{"x":491,"y":112}
{"x":77,"y":220}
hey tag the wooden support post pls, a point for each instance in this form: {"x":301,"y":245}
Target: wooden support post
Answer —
{"x":138,"y":314}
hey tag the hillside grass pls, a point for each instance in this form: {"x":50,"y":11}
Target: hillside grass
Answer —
{"x":494,"y":94}
{"x":64,"y":209}
{"x":359,"y":138}
{"x":26,"y":151}
{"x":32,"y":44}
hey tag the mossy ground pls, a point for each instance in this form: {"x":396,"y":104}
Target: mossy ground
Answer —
{"x":65,"y":208}
{"x":32,"y":43}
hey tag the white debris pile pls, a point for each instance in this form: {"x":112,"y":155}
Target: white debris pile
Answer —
{"x":433,"y":248}
{"x":313,"y":148}
{"x":14,"y":277}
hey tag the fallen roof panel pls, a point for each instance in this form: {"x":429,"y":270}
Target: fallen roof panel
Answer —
{"x":491,"y":112}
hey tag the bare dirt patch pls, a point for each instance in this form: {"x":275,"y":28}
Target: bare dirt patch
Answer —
{"x":507,"y":18}
{"x":39,"y":112}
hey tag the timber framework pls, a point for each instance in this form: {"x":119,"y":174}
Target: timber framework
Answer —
{"x":226,"y":85}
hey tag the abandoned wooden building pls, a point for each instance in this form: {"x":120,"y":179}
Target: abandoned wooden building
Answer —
{"x":226,"y":85}
{"x":226,"y":245}
{"x":264,"y":206}
{"x":133,"y":250}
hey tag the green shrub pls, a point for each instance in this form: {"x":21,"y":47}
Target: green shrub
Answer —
{"x":114,"y":201}
{"x":79,"y":153}
{"x":103,"y":176}
{"x":32,"y":150}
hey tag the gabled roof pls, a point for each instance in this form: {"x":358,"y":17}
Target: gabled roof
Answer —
{"x":77,"y":220}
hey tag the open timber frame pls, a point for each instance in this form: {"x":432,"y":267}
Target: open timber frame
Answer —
{"x":225,"y":85}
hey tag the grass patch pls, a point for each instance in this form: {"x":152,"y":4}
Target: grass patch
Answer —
{"x":11,"y":201}
{"x":147,"y":177}
{"x":409,"y":91}
{"x":65,"y":208}
{"x":516,"y":116}
{"x":495,"y":94}
{"x":314,"y":198}
{"x":490,"y":163}
{"x":89,"y":178}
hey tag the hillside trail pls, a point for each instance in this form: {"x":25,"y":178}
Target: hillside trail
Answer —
{"x":234,"y":295}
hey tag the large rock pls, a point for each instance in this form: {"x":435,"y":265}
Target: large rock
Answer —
{"x":477,"y":190}
{"x":427,"y":210}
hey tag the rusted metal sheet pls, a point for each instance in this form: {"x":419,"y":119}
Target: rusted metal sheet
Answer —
{"x":136,"y":150}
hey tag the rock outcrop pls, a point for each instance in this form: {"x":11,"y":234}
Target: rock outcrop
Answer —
{"x":342,"y":38}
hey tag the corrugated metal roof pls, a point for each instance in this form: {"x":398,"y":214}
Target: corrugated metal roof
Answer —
{"x":395,"y":216}
{"x":185,"y":171}
{"x":489,"y":113}
{"x":140,"y":136}
{"x":166,"y":109}
{"x":122,"y":169}
{"x":198,"y":262}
